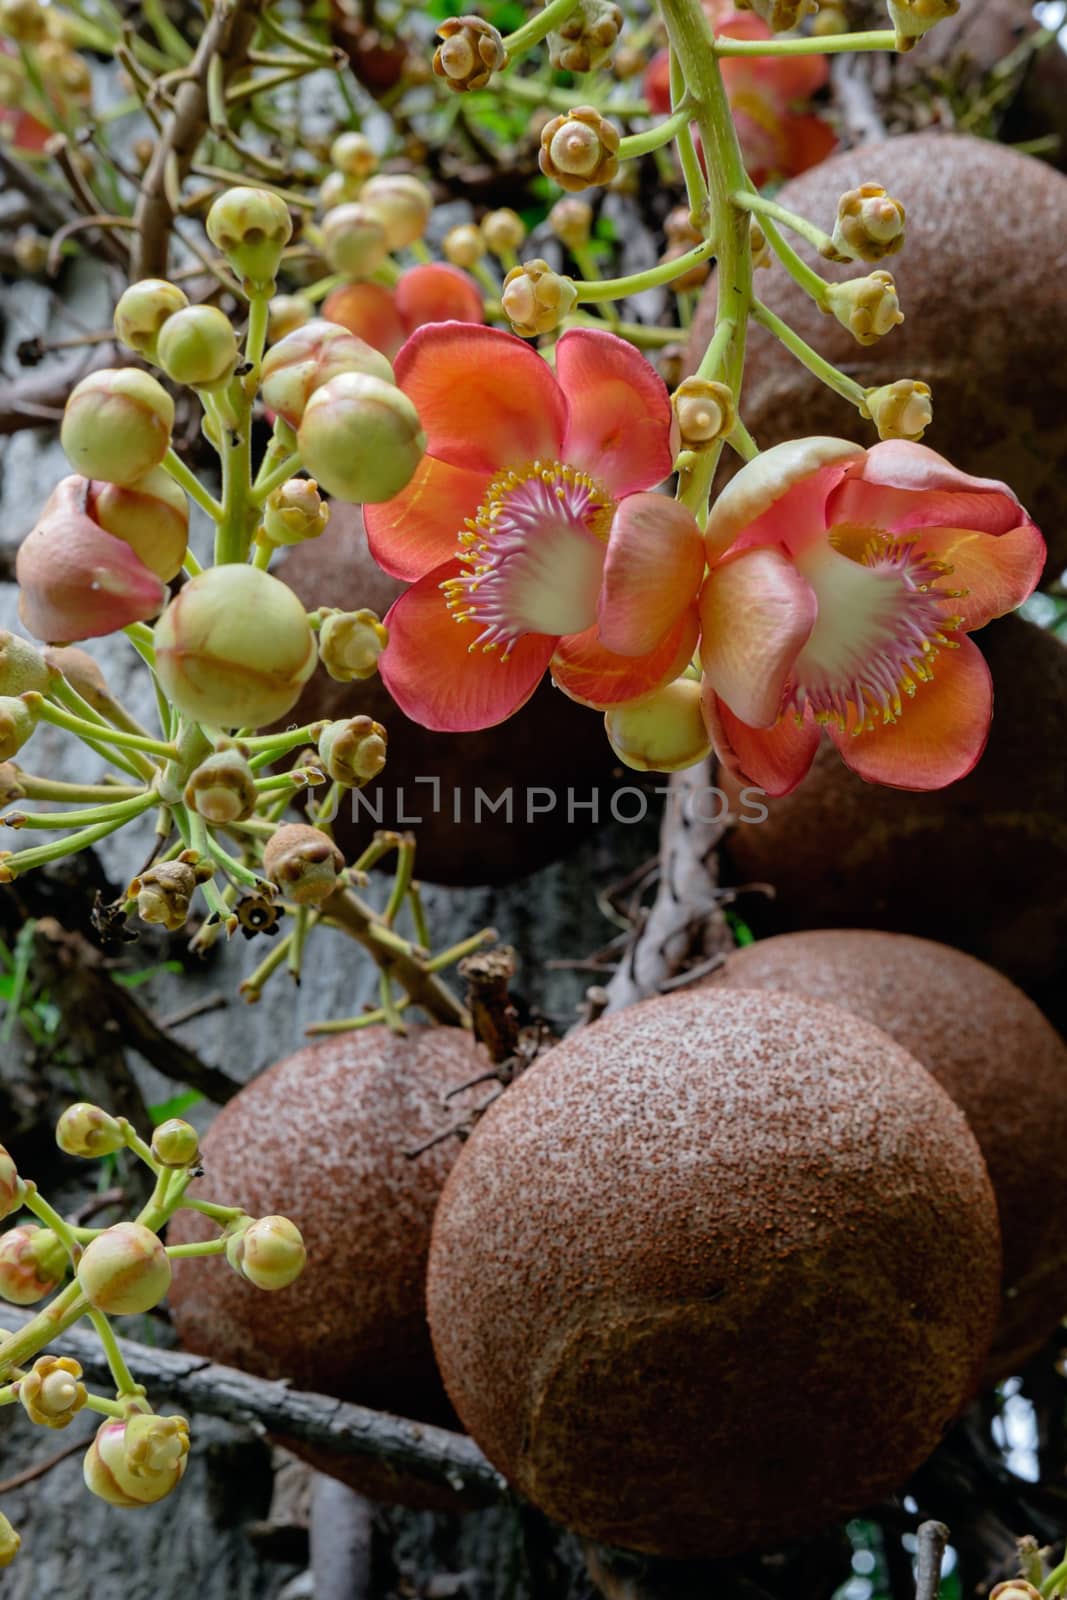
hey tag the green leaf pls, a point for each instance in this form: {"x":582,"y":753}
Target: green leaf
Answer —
{"x":738,"y":927}
{"x":134,"y":980}
{"x":165,"y":1109}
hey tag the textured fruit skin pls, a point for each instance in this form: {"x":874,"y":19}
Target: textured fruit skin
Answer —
{"x":981,"y":865}
{"x":978,"y":216}
{"x":707,"y":1278}
{"x":990,"y":1048}
{"x":320,"y":1138}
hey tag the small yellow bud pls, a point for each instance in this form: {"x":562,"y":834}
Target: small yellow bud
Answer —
{"x":304,"y":863}
{"x":704,"y":411}
{"x":88,"y":1130}
{"x":503,"y":231}
{"x":868,"y":307}
{"x":402,"y":203}
{"x":665,"y":732}
{"x":295,"y":511}
{"x":781,"y":15}
{"x":471,"y":50}
{"x":350,"y":643}
{"x":353,"y":751}
{"x":175,"y":1143}
{"x":869,"y":224}
{"x":464,"y":245}
{"x":354,"y":240}
{"x":578,"y":149}
{"x":900,"y":410}
{"x":536,"y":298}
{"x":51,"y":1393}
{"x":269,"y":1252}
{"x":142,"y":310}
{"x":124,"y":1270}
{"x":571,"y":221}
{"x":354,"y":155}
{"x":338,"y":189}
{"x":25,"y":21}
{"x":913,"y":18}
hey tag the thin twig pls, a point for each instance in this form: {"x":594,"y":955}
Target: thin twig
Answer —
{"x":20,"y":1479}
{"x":932,"y":1538}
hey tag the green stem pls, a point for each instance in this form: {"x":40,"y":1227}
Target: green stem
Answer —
{"x":256,"y":337}
{"x":277,"y":475}
{"x":713,"y":355}
{"x":742,"y":441}
{"x":639,"y":334}
{"x":231,"y":533}
{"x":184,"y":1252}
{"x":105,"y":1408}
{"x":789,"y":219}
{"x":278,"y":743}
{"x":665,"y":272}
{"x":456,"y":952}
{"x":124,"y":1382}
{"x":815,"y":363}
{"x":66,"y":793}
{"x":803,"y":275}
{"x":107,"y":735}
{"x":539,"y":26}
{"x":60,"y":1314}
{"x":13,"y":865}
{"x":175,"y":466}
{"x":808,"y":45}
{"x":35,"y":1202}
{"x":695,"y":187}
{"x":640,"y":144}
{"x":1055,"y":1581}
{"x":254,"y":984}
{"x":318,"y":291}
{"x":115,"y":811}
{"x":223,"y":1215}
{"x":405,"y":868}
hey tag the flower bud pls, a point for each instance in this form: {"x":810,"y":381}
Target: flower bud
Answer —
{"x":868,"y":307}
{"x":578,"y":149}
{"x":164,"y":893}
{"x":869,"y":225}
{"x":22,"y":666}
{"x":913,"y":18}
{"x":25,"y":21}
{"x":251,"y":227}
{"x":139,"y":1461}
{"x":402,"y":204}
{"x":151,"y":516}
{"x":10,"y":1185}
{"x":11,"y":790}
{"x":536,"y":299}
{"x":32,"y":1264}
{"x":30,"y":248}
{"x":82,"y":673}
{"x":142,"y":310}
{"x":434,"y":291}
{"x":198,"y":347}
{"x":304,"y":863}
{"x":338,"y":189}
{"x":350,"y":643}
{"x":10,"y":1542}
{"x":75,"y":580}
{"x":831,"y":19}
{"x":222,"y":788}
{"x":269,"y":1252}
{"x":285,"y":314}
{"x":781,"y":15}
{"x":309,"y":357}
{"x":17,"y":722}
{"x":464,"y":245}
{"x":761,"y":250}
{"x":369,"y":310}
{"x":117,"y":424}
{"x":585,"y":40}
{"x":353,"y":240}
{"x":665,"y":732}
{"x":571,"y":221}
{"x":353,"y":751}
{"x":50,"y":1393}
{"x":693,"y":277}
{"x":354,"y":155}
{"x":503,"y":231}
{"x":295,"y":511}
{"x":124,"y":1270}
{"x":234,"y":648}
{"x":361,"y":438}
{"x":704,"y":411}
{"x":88,"y":1130}
{"x":176,"y":1143}
{"x":900,"y":410}
{"x":470,"y":51}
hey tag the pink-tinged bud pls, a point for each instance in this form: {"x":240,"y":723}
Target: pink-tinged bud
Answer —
{"x":471,"y":50}
{"x":198,"y":346}
{"x":354,"y":155}
{"x":350,"y":643}
{"x":18,"y":719}
{"x":176,"y":1143}
{"x":32,"y":1264}
{"x":353,"y":240}
{"x":353,"y":751}
{"x":869,"y":224}
{"x":234,"y":648}
{"x":579,"y":149}
{"x":151,"y":516}
{"x":361,"y":438}
{"x":137,"y":1462}
{"x":268,"y":1252}
{"x":10,"y":1185}
{"x":50,"y":1393}
{"x":117,"y":424}
{"x":303,"y":862}
{"x":437,"y":292}
{"x":124,"y":1270}
{"x":295,"y":511}
{"x":900,"y":410}
{"x":251,"y":227}
{"x":164,"y":893}
{"x":142,"y":310}
{"x":76,"y":581}
{"x":369,"y":311}
{"x":338,"y":189}
{"x":402,"y":204}
{"x":309,"y":357}
{"x":285,"y":314}
{"x":571,"y":221}
{"x":88,"y":1130}
{"x":536,"y":298}
{"x":10,"y":1543}
{"x":464,"y":245}
{"x":663,"y":733}
{"x":867,"y":307}
{"x":222,"y":788}
{"x":1015,"y":1589}
{"x":22,"y":666}
{"x":503,"y":231}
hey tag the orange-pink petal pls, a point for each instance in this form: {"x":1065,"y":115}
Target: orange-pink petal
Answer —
{"x":485,"y":399}
{"x":620,"y":413}
{"x":941,"y":734}
{"x":902,"y":485}
{"x":756,"y":613}
{"x":782,"y":496}
{"x":652,"y":572}
{"x":995,"y":572}
{"x":434,"y":676}
{"x":774,"y":759}
{"x":419,"y":528}
{"x":368,"y":310}
{"x":435,"y":291}
{"x":595,"y":676}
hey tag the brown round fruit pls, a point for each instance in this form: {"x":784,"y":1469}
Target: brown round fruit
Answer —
{"x":707,"y":1278}
{"x":552,"y":753}
{"x":981,"y":865}
{"x":982,"y":280}
{"x":321,"y":1138}
{"x":990,"y":1048}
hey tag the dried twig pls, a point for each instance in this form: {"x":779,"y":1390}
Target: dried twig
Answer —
{"x":495,"y":1020}
{"x":932,"y":1539}
{"x":30,"y":1474}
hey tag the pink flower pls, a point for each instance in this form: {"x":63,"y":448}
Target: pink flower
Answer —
{"x":843,"y":584}
{"x":527,"y":531}
{"x":433,"y":292}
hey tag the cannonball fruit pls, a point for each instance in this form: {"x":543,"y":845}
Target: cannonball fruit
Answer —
{"x":708,"y":1277}
{"x":990,"y":1048}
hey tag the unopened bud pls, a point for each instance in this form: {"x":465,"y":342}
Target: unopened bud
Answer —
{"x":869,"y":225}
{"x":571,"y":221}
{"x":269,"y":1252}
{"x":32,"y":1264}
{"x":693,"y":276}
{"x":285,"y":314}
{"x":142,"y":310}
{"x":350,"y":643}
{"x":17,"y":722}
{"x":51,"y":1393}
{"x":222,"y":788}
{"x":704,"y":411}
{"x":354,"y":155}
{"x":679,"y":228}
{"x":353,"y":751}
{"x":295,"y":511}
{"x":87,"y":1130}
{"x":536,"y":298}
{"x":361,"y":438}
{"x":402,"y":204}
{"x":30,"y":248}
{"x":303,"y":862}
{"x":913,"y":18}
{"x":761,"y":250}
{"x":22,"y":666}
{"x":124,"y":1270}
{"x":10,"y":1185}
{"x":354,"y":240}
{"x":309,"y":357}
{"x":503,"y":231}
{"x":137,"y":1462}
{"x":151,"y":516}
{"x":338,"y":189}
{"x":11,"y":789}
{"x":117,"y":424}
{"x":900,"y":410}
{"x":176,"y":1143}
{"x":471,"y":50}
{"x":665,"y":732}
{"x":781,"y":15}
{"x":251,"y":227}
{"x":25,"y":21}
{"x":830,"y":19}
{"x":198,"y":347}
{"x":10,"y":1542}
{"x":579,"y":149}
{"x":867,"y":307}
{"x":585,"y":40}
{"x":464,"y":245}
{"x":164,"y":894}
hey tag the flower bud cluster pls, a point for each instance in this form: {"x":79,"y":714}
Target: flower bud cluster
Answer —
{"x":471,"y":50}
{"x":585,"y":40}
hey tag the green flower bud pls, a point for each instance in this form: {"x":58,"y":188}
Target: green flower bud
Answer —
{"x":124,"y":1270}
{"x":222,"y":788}
{"x":10,"y":1185}
{"x":234,"y":648}
{"x":900,"y":410}
{"x":783,"y":15}
{"x":30,"y":248}
{"x":503,"y":231}
{"x":353,"y":240}
{"x":88,"y":1130}
{"x":17,"y":722}
{"x":403,"y":205}
{"x":361,"y":438}
{"x":536,"y":298}
{"x":142,"y":310}
{"x":198,"y":346}
{"x":295,"y":511}
{"x":117,"y":424}
{"x":139,"y":1461}
{"x":354,"y":155}
{"x":176,"y":1143}
{"x":304,"y":863}
{"x":464,"y":245}
{"x":151,"y":516}
{"x":251,"y":227}
{"x":32,"y":1264}
{"x":350,"y":643}
{"x":268,"y":1252}
{"x":22,"y":666}
{"x":285,"y":314}
{"x":309,"y":357}
{"x":10,"y":1542}
{"x":353,"y":751}
{"x":50,"y":1393}
{"x":664,"y":733}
